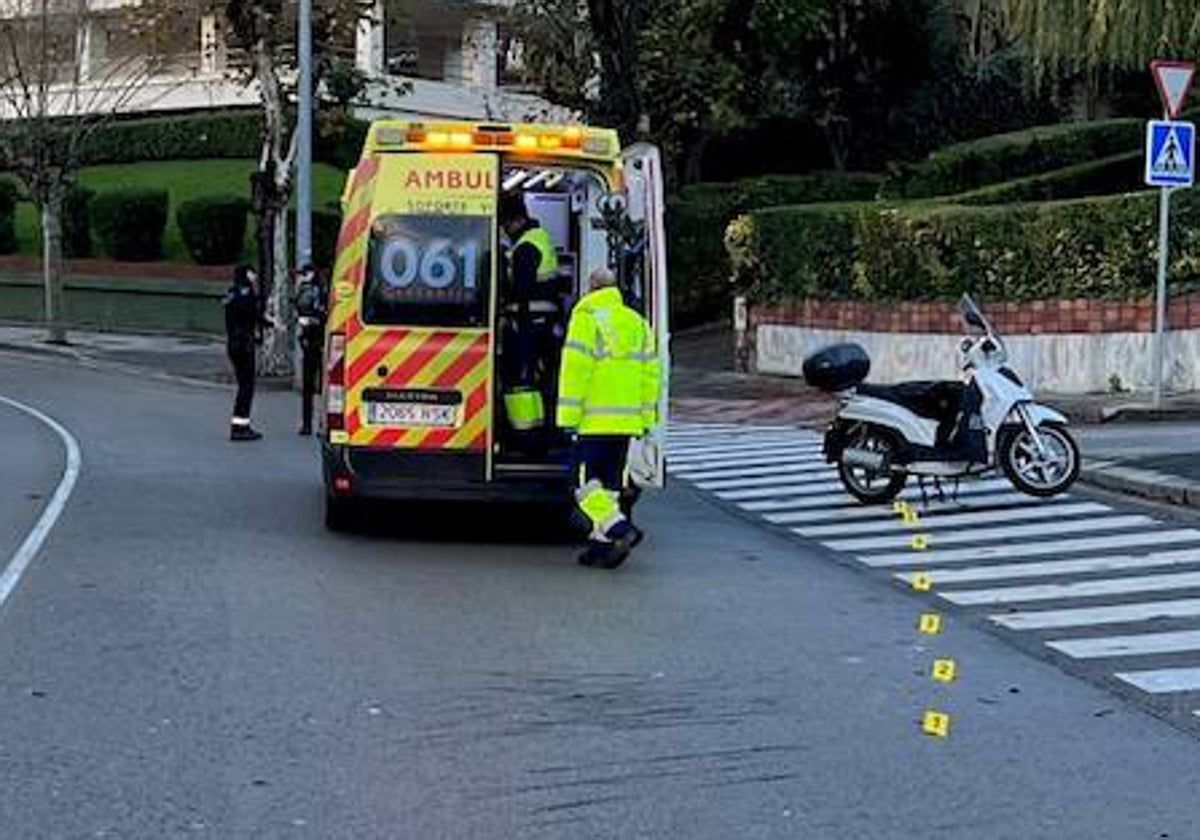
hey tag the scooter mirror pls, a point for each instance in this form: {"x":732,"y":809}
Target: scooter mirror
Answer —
{"x":970,"y":313}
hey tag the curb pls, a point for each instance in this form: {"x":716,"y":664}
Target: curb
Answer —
{"x":1146,"y":484}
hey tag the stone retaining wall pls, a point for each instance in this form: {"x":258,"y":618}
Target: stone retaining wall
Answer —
{"x":1070,"y":347}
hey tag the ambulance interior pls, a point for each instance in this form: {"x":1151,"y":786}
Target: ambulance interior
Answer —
{"x":575,"y":207}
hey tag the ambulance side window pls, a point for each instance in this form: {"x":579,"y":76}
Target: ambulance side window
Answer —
{"x":429,"y":271}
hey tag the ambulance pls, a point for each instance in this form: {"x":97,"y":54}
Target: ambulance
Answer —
{"x":420,"y":305}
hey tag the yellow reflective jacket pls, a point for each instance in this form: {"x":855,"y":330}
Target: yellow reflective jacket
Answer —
{"x":539,"y":238}
{"x":610,"y":378}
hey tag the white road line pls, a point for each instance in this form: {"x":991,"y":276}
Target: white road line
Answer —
{"x":957,"y":520}
{"x":1096,"y":616}
{"x":710,"y":448}
{"x":809,"y":489}
{"x":1077,"y":589}
{"x":776,"y":481}
{"x":843,"y":499}
{"x":1164,"y":680}
{"x":755,"y":472}
{"x":28,"y":549}
{"x":883,"y":513}
{"x":1149,"y":539}
{"x":1009,"y":532}
{"x":757,"y":461}
{"x":1054,"y":568}
{"x":764,"y":457}
{"x":1140,"y":644}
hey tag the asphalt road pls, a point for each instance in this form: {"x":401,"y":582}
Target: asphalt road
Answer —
{"x":192,"y":655}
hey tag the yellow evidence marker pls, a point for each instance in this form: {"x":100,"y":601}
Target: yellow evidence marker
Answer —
{"x":945,"y":670}
{"x":931,"y":624}
{"x":900,"y":508}
{"x":911,"y":518}
{"x":922,"y":582}
{"x":936,"y":724}
{"x":920,"y":542}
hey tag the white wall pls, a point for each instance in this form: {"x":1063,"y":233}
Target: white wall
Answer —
{"x":1075,"y":363}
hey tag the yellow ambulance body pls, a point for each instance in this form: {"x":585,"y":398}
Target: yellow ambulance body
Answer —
{"x":417,"y":301}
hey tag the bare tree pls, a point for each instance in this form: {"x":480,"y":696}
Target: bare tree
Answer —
{"x":265,"y":31}
{"x":56,"y":92}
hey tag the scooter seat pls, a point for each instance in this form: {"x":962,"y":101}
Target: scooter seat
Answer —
{"x":939,"y":401}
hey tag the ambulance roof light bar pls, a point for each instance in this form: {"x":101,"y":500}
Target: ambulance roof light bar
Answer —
{"x":532,"y":138}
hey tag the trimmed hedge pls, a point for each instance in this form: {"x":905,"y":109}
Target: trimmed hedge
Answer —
{"x":1109,"y":176}
{"x":696,"y":222}
{"x":214,"y":228}
{"x":1097,"y":247}
{"x":130,"y":223}
{"x":225,"y":134}
{"x":8,"y":217}
{"x":76,"y":226}
{"x":326,"y":226}
{"x":1003,"y":157}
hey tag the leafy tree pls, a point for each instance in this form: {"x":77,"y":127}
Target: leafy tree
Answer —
{"x":265,"y":30}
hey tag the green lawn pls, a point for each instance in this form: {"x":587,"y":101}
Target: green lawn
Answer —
{"x":184,"y":180}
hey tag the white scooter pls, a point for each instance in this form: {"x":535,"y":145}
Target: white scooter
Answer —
{"x":942,"y":430}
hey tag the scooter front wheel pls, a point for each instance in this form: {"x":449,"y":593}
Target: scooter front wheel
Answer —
{"x":1043,"y":471}
{"x":872,"y":486}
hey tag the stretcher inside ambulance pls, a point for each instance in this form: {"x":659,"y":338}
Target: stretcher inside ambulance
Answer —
{"x":441,"y":364}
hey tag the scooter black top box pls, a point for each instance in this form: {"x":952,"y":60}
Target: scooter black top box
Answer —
{"x":838,"y":367}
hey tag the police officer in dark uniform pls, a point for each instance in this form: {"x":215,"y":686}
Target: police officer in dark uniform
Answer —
{"x":311,"y":312}
{"x":245,"y":319}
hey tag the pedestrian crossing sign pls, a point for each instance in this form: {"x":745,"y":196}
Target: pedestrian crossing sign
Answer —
{"x":1170,"y":153}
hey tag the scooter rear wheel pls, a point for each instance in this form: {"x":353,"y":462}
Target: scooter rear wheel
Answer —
{"x":869,"y":486}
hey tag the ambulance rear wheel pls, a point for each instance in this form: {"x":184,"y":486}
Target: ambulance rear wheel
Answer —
{"x":339,"y":514}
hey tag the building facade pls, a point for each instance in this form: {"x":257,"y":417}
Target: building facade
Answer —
{"x":437,"y":59}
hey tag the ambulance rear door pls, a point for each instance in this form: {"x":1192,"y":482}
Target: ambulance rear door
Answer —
{"x":642,"y":165}
{"x":420,"y":367}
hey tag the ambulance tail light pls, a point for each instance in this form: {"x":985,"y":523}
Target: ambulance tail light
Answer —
{"x":335,"y":399}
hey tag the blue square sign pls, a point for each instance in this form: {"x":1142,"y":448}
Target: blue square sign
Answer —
{"x":1170,"y":153}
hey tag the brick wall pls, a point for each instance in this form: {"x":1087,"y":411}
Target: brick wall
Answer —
{"x":1030,"y":318}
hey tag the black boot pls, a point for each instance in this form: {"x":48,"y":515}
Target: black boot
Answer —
{"x":243,"y":433}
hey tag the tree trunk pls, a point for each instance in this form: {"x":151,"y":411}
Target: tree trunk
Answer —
{"x":52,"y":260}
{"x":277,"y":356}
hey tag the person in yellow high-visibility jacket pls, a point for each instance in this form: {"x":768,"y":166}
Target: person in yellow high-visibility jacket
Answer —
{"x":608,"y":390}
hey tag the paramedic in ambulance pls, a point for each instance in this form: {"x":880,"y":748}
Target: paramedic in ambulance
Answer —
{"x":531,"y":354}
{"x":609,"y":388}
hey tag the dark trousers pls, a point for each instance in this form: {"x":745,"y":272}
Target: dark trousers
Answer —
{"x":310,"y":376}
{"x":242,"y":356}
{"x":601,"y":458}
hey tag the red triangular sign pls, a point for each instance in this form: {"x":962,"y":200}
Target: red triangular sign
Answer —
{"x":1173,"y":79}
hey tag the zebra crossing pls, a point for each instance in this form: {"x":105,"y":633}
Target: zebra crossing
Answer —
{"x":1095,"y":586}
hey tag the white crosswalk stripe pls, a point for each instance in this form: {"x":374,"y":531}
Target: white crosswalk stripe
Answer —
{"x":1057,"y":568}
{"x":1103,"y":572}
{"x":1163,"y":680}
{"x":1135,"y":645}
{"x":957,"y":520}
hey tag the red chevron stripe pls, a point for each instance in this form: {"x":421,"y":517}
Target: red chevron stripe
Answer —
{"x":472,"y":357}
{"x":353,"y":228}
{"x":385,"y":344}
{"x":433,"y":344}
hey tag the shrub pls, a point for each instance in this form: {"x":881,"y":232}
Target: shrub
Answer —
{"x":214,"y":228}
{"x":992,"y":160}
{"x":696,"y":221}
{"x":129,"y":223}
{"x":1111,"y":175}
{"x":1096,"y":247}
{"x":76,"y":227}
{"x":226,"y":134}
{"x":8,"y":217}
{"x":326,"y":226}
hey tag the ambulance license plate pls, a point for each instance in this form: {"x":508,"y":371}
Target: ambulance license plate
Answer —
{"x":412,"y":414}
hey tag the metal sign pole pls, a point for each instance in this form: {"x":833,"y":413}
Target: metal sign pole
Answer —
{"x":1164,"y":241}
